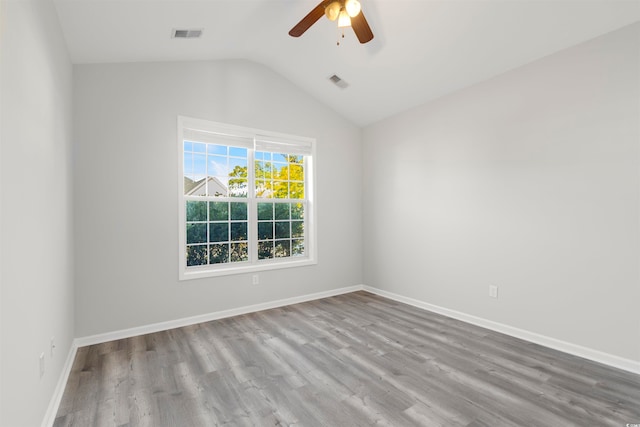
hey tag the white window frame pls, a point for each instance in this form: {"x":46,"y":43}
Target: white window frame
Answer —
{"x":264,"y":139}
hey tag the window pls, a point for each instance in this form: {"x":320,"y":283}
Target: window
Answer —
{"x":245,"y":199}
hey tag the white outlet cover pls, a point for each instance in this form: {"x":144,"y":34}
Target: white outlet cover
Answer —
{"x":493,"y":291}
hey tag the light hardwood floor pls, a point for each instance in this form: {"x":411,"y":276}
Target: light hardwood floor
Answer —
{"x":351,"y":360}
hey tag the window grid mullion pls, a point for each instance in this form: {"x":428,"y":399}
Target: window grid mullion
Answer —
{"x":252,"y":213}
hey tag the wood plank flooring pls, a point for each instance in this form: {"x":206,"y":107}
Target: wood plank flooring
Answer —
{"x":352,"y":360}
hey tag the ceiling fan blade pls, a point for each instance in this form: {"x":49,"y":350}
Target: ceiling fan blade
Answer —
{"x":308,"y":20}
{"x":361,"y":28}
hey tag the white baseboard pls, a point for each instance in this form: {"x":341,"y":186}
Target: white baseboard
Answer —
{"x":566,"y":347}
{"x":587,"y":353}
{"x":178,"y":323}
{"x":54,"y":403}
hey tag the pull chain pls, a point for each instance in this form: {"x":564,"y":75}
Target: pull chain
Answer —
{"x":339,"y":37}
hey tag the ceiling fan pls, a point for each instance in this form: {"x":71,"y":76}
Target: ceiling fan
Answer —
{"x":347,"y":12}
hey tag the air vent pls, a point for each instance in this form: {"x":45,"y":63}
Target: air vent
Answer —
{"x":338,"y":82}
{"x":193,"y":33}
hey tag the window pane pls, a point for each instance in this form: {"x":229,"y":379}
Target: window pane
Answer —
{"x":279,"y":157}
{"x":187,"y":146}
{"x":188,"y":164}
{"x":297,"y":247}
{"x":296,"y":190}
{"x":197,"y":255}
{"x":218,"y":211}
{"x":282,"y":210}
{"x":217,"y":166}
{"x":217,"y":149}
{"x":195,"y":186}
{"x":297,"y":229}
{"x":265,"y":230}
{"x":200,"y":165}
{"x":239,"y":252}
{"x":265,"y":249}
{"x":282,"y":230}
{"x":196,"y":211}
{"x":217,"y":186}
{"x":268,"y":169}
{"x":259,"y":170}
{"x":238,"y":187}
{"x":281,"y":189}
{"x":199,"y":147}
{"x":196,"y":233}
{"x":237,"y":176}
{"x":297,"y":211}
{"x":264,"y":189}
{"x":219,"y":253}
{"x":238,"y":152}
{"x":238,"y":211}
{"x":296,"y":172}
{"x":281,"y":171}
{"x":283,"y":248}
{"x":189,"y":183}
{"x":219,"y":232}
{"x":238,"y":231}
{"x":265,"y":211}
{"x":238,"y":166}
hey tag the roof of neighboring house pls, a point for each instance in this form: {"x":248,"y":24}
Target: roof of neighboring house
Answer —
{"x":199,"y":188}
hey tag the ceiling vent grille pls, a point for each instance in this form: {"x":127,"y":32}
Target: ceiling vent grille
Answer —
{"x":338,"y":82}
{"x":186,"y":34}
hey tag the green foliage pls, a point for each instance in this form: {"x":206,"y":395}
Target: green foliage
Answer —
{"x":239,"y":231}
{"x":219,"y":253}
{"x":238,"y":211}
{"x":282,"y":249}
{"x":218,"y":232}
{"x":218,"y":211}
{"x":297,"y":228}
{"x":196,"y":233}
{"x":265,"y":211}
{"x":196,"y":211}
{"x":239,"y":252}
{"x":197,"y":255}
{"x":265,"y":249}
{"x":282,"y":210}
{"x":238,"y":182}
{"x":273,"y":180}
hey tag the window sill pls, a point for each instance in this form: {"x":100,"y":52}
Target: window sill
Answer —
{"x":197,"y":273}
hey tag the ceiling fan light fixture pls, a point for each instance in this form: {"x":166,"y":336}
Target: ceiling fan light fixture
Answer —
{"x":353,"y":7}
{"x":343,"y":19}
{"x":358,"y":23}
{"x":332,"y":10}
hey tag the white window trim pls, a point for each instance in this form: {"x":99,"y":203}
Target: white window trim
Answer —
{"x":310,"y":257}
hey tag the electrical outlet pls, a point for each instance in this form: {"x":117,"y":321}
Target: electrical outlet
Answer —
{"x":255,"y":279}
{"x":53,"y":345}
{"x":493,"y":291}
{"x":41,"y":365}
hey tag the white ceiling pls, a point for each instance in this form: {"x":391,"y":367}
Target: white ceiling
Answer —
{"x":422,"y":49}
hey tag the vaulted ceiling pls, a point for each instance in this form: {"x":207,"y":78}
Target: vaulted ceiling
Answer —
{"x":422,"y":49}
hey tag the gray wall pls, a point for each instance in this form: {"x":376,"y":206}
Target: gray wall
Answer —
{"x":37,"y":274}
{"x":528,"y":181}
{"x":126,"y":202}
